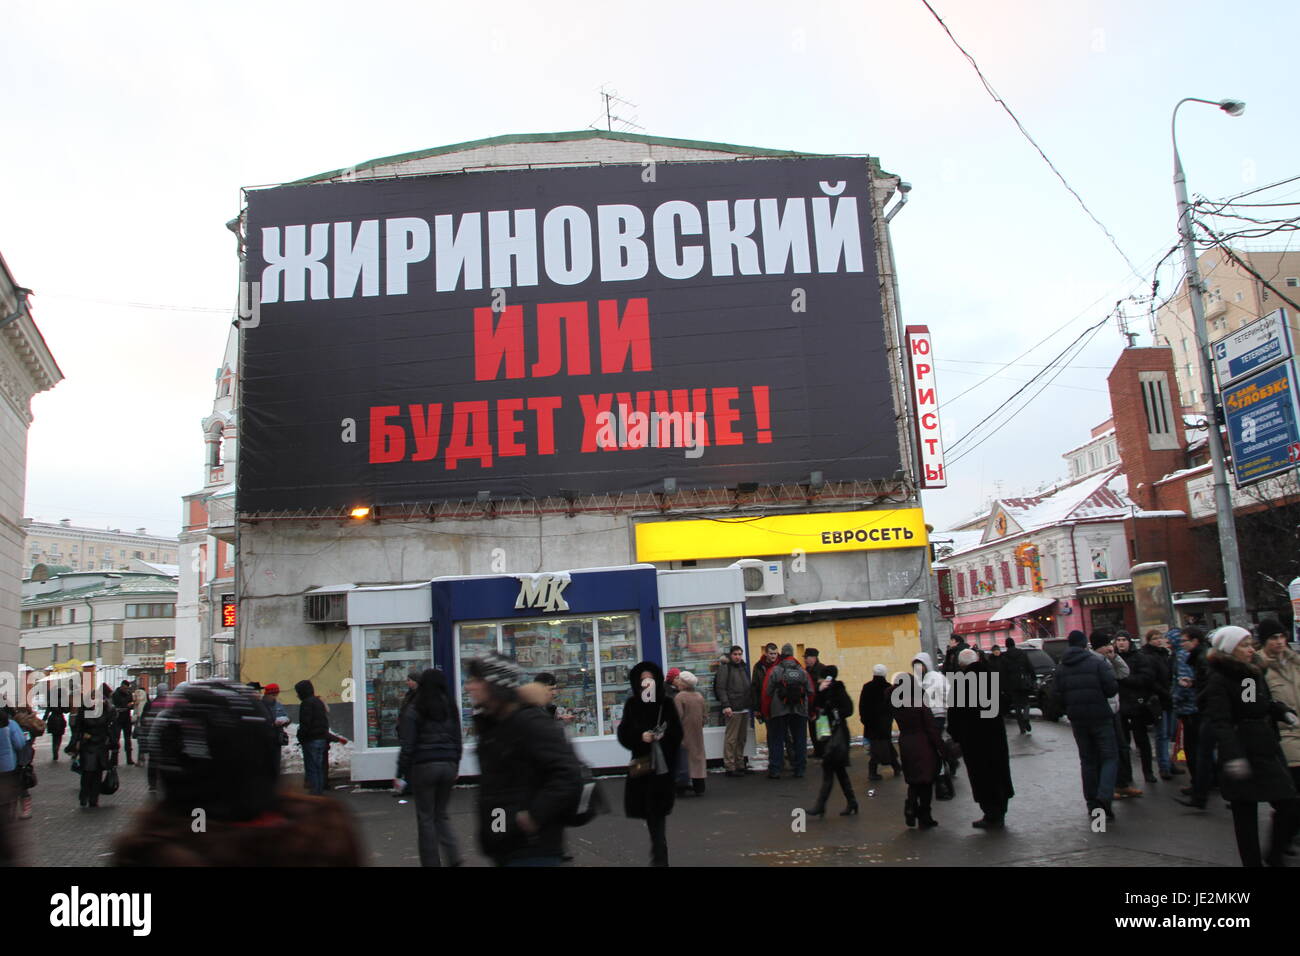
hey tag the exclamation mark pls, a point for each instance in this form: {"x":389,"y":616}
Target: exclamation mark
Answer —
{"x":763,"y":414}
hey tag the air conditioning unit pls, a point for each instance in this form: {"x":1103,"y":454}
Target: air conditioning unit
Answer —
{"x":325,"y":609}
{"x":762,"y":578}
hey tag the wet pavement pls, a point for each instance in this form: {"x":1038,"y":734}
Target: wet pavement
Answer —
{"x":752,"y":821}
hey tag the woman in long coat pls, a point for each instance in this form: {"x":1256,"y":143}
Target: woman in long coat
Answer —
{"x":92,"y":737}
{"x":649,"y":718}
{"x":1239,"y":710}
{"x":919,"y":742}
{"x":835,"y":704}
{"x":692,"y":710}
{"x":984,"y":747}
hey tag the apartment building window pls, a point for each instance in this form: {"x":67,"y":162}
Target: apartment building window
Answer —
{"x":1193,"y":393}
{"x":72,"y":615}
{"x":121,"y":554}
{"x":148,"y":645}
{"x":1110,"y":452}
{"x":1093,"y":461}
{"x":138,"y":555}
{"x":76,"y":548}
{"x":90,"y":550}
{"x":1238,"y":297}
{"x":151,"y":610}
{"x":1292,"y":282}
{"x":54,"y":653}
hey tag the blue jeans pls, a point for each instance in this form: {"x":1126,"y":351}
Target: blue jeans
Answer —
{"x":1098,"y":759}
{"x":776,"y":731}
{"x":1165,"y":734}
{"x":313,"y":764}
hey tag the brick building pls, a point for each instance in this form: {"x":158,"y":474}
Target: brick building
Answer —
{"x":1042,"y":565}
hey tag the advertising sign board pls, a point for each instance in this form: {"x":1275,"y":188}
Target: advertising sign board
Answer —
{"x":925,"y":406}
{"x":563,"y":331}
{"x":1153,"y":598}
{"x":1263,"y":424}
{"x":1252,"y":347}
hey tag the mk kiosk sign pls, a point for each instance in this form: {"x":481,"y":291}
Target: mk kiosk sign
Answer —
{"x":1258,"y":392}
{"x":556,"y":332}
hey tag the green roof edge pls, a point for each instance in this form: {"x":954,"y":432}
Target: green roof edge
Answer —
{"x":577,"y":135}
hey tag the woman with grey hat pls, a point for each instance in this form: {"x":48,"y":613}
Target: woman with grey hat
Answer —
{"x":529,"y":778}
{"x":1241,"y":713}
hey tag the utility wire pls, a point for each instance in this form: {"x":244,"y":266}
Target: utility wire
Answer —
{"x":1231,"y":254}
{"x":1001,"y":102}
{"x":1087,"y":332}
{"x":1037,"y":375}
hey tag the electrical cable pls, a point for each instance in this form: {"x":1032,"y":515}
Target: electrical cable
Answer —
{"x":1001,"y":102}
{"x":1079,"y":342}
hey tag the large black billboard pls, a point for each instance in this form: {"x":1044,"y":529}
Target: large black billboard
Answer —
{"x":562,"y":331}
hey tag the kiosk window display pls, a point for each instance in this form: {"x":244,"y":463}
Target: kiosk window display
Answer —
{"x":696,"y":640}
{"x":391,"y":654}
{"x":589,"y":699}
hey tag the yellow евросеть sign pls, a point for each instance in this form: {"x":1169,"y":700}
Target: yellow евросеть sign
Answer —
{"x":781,"y":534}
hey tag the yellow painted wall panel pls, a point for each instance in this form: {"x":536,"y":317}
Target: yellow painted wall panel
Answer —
{"x":327,"y":666}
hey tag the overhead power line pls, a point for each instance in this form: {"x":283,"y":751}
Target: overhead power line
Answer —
{"x":1021,"y":126}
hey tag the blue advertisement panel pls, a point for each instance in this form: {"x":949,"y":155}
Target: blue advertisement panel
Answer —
{"x":1263,"y":424}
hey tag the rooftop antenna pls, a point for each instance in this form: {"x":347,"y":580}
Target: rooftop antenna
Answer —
{"x":609,"y":100}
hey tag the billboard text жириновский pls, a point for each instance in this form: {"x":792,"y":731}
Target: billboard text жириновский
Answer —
{"x":563,"y":331}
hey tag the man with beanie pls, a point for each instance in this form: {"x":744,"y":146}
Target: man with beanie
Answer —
{"x":313,"y":735}
{"x":731,"y":689}
{"x":787,"y":695}
{"x":876,"y":712}
{"x":529,"y":777}
{"x":1084,"y":687}
{"x":817,"y":671}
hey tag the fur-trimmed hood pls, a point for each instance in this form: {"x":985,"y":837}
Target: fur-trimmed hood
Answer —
{"x":534,"y":694}
{"x":1236,"y":670}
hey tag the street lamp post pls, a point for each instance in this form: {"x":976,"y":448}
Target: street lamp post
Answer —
{"x":1222,"y":499}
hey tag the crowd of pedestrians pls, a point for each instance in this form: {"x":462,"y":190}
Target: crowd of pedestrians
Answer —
{"x":1226,"y":702}
{"x":1234,"y":699}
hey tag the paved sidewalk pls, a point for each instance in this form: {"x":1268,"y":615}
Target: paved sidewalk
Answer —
{"x":751,"y":821}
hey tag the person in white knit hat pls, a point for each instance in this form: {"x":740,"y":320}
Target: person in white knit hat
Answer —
{"x":1242,"y":715}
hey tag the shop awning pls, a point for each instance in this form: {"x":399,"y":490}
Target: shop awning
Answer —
{"x":1021,"y":605}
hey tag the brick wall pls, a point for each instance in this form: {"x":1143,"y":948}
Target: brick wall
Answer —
{"x":1144,"y":464}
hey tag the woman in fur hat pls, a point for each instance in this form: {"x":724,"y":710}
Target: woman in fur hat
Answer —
{"x":1242,"y":714}
{"x":652,"y":731}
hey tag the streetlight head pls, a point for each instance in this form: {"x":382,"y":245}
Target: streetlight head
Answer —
{"x":1232,"y":107}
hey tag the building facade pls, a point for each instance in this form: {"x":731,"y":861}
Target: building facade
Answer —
{"x":303,"y":576}
{"x":26,"y":368}
{"x":123,"y":622}
{"x":204,"y":633}
{"x":1233,"y":297}
{"x":64,"y":545}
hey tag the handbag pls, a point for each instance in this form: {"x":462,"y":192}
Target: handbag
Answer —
{"x":944,"y":788}
{"x":27,"y":776}
{"x":654,"y":762}
{"x":591,"y":801}
{"x":823,"y":727}
{"x":75,"y":766}
{"x":110,"y":783}
{"x":640,"y":766}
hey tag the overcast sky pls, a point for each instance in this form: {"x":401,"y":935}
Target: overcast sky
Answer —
{"x":130,"y":129}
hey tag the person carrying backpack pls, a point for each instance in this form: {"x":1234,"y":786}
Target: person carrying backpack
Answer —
{"x":787,"y":695}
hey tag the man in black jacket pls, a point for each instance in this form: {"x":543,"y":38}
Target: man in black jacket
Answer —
{"x":123,"y":701}
{"x":1018,"y":677}
{"x":529,"y":778}
{"x":313,"y":734}
{"x":955,"y":646}
{"x":1084,"y":685}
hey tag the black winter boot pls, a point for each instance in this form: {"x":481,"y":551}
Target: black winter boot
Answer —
{"x":909,"y":811}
